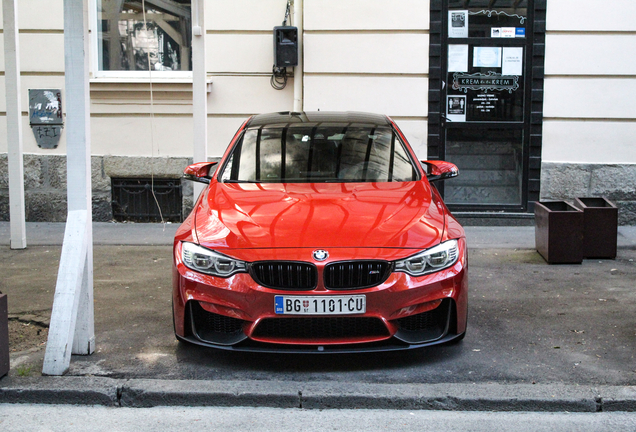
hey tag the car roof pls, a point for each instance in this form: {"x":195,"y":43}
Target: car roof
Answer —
{"x":314,"y":117}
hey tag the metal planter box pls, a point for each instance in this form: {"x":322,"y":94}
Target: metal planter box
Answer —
{"x":4,"y":335}
{"x":600,"y":227}
{"x":559,"y":232}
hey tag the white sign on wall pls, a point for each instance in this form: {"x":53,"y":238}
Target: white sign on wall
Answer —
{"x":457,"y":58}
{"x":512,"y":61}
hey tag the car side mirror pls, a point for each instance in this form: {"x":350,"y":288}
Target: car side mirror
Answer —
{"x":439,"y":170}
{"x":199,"y":172}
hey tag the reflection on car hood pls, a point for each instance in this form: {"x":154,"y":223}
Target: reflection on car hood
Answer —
{"x":313,"y":215}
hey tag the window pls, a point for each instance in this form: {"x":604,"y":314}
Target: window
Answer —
{"x":128,"y":46}
{"x":325,"y":153}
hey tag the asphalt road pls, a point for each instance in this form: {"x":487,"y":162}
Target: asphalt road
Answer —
{"x":71,"y":418}
{"x":529,"y":323}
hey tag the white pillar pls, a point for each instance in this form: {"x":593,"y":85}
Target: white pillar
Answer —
{"x":199,"y":88}
{"x":298,"y":70}
{"x":14,"y":124}
{"x":78,"y":154}
{"x":72,"y":323}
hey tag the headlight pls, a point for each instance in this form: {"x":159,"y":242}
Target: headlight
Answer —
{"x":431,"y":260}
{"x":206,"y":261}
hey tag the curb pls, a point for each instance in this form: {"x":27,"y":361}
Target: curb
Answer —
{"x":144,"y":393}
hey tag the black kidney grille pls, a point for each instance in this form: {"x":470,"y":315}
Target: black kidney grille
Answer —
{"x":356,"y":274}
{"x":320,"y":328}
{"x":285,"y":275}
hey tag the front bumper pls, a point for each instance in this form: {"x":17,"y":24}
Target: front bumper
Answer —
{"x":403,"y":312}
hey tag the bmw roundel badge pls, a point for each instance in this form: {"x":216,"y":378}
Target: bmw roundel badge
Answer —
{"x":321,"y":255}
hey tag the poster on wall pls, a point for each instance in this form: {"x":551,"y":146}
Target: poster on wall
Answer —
{"x":457,"y":58}
{"x":456,"y":108}
{"x":487,"y":57}
{"x":458,"y":24}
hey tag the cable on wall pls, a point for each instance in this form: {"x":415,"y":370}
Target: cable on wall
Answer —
{"x":279,"y":74}
{"x":152,"y":125}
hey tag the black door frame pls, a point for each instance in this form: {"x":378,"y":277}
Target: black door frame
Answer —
{"x":533,"y":115}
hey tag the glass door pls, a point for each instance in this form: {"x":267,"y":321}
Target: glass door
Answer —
{"x":485,"y":114}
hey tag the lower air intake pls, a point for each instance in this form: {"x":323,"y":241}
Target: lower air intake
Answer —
{"x":320,"y":328}
{"x":215,"y":328}
{"x":426,"y":326}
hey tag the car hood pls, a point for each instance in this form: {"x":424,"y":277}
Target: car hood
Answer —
{"x":319,"y":215}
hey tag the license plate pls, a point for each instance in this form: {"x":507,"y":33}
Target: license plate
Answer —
{"x":322,"y":305}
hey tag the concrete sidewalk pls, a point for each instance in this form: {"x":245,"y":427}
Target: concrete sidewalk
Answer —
{"x":139,"y":393}
{"x":540,"y":337}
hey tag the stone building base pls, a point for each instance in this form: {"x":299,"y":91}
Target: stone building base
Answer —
{"x":45,"y":183}
{"x":617,"y":182}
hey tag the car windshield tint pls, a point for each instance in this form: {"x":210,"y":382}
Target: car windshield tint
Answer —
{"x":323,"y":153}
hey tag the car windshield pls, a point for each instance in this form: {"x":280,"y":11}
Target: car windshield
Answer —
{"x":319,"y":153}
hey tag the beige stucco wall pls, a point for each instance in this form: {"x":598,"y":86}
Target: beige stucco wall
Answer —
{"x":360,"y":55}
{"x":590,"y":82}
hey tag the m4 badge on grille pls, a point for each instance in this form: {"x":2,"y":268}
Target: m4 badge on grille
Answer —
{"x":321,"y":255}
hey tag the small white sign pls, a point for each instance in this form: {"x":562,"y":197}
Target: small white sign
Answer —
{"x":512,"y":61}
{"x":458,"y":24}
{"x":487,"y":57}
{"x":457,"y":58}
{"x":495,"y":32}
{"x":508,"y":32}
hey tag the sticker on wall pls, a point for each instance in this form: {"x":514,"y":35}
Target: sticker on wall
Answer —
{"x":458,"y":24}
{"x":456,"y":108}
{"x":495,"y":32}
{"x":458,"y":58}
{"x":45,"y":116}
{"x":512,"y":61}
{"x":520,"y":32}
{"x":487,"y":57}
{"x":508,"y":32}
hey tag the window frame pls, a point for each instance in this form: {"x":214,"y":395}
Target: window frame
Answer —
{"x":123,"y":75}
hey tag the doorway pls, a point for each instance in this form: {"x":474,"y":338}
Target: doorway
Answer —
{"x":485,"y":101}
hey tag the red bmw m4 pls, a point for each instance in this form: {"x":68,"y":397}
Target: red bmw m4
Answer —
{"x":320,"y":232}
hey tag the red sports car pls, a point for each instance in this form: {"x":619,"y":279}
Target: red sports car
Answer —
{"x":320,"y":232}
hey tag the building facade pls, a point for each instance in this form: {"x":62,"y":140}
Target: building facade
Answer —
{"x":530,"y":98}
